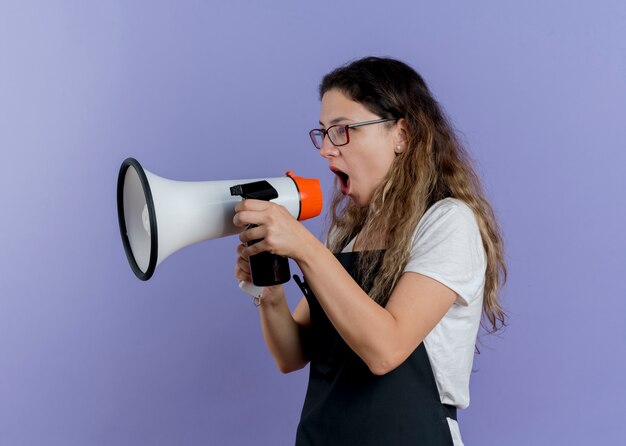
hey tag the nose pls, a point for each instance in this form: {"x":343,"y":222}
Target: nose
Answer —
{"x":328,"y":149}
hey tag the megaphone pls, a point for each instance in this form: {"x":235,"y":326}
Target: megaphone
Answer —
{"x":158,"y":216}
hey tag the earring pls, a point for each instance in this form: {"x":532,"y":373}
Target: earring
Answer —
{"x":398,"y":149}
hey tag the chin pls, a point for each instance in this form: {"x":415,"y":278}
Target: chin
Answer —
{"x":358,"y":202}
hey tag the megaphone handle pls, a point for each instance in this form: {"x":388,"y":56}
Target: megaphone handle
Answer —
{"x":255,"y":291}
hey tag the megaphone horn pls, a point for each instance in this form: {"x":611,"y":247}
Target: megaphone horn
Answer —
{"x":158,"y":216}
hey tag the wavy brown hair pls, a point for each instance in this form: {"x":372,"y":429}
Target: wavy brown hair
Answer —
{"x":434,"y":166}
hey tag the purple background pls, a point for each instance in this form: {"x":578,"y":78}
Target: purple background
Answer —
{"x":89,"y":355}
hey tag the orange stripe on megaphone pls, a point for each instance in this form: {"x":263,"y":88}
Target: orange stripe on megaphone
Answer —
{"x":310,"y":195}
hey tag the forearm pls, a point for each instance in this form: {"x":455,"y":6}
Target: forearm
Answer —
{"x":369,"y":330}
{"x":282,"y":334}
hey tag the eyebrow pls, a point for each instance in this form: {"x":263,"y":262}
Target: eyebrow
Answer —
{"x":336,"y":120}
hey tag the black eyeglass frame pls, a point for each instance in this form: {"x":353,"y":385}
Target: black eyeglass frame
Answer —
{"x":324,"y":133}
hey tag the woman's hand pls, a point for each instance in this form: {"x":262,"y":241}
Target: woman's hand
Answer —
{"x":277,"y":230}
{"x":242,"y":266}
{"x":271,"y":295}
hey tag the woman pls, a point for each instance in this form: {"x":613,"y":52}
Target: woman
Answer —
{"x":389,"y":322}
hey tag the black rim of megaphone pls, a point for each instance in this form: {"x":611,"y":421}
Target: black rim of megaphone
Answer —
{"x":128,"y":162}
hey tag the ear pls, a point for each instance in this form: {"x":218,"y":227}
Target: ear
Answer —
{"x":401,"y":138}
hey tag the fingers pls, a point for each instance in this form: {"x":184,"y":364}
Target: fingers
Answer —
{"x":245,"y":218}
{"x":263,"y":241}
{"x":256,"y":233}
{"x":239,"y":275}
{"x":254,"y":212}
{"x":240,"y":249}
{"x":257,"y":248}
{"x":250,"y":212}
{"x":252,"y":205}
{"x":242,"y":266}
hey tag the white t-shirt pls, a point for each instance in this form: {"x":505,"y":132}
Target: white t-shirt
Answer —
{"x":447,"y":247}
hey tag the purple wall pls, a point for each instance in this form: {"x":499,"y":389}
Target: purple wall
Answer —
{"x":195,"y":90}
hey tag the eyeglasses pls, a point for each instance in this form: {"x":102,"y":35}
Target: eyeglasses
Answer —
{"x":339,"y":135}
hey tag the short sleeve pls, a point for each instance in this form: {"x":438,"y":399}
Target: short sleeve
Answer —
{"x":447,"y":247}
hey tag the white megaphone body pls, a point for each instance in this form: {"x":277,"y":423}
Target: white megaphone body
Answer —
{"x":158,"y":216}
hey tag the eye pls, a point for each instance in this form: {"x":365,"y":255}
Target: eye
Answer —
{"x":337,"y":133}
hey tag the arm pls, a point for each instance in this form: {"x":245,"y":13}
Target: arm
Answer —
{"x":281,"y":331}
{"x":382,"y":337}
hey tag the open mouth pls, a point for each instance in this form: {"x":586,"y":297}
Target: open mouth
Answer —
{"x":344,"y":180}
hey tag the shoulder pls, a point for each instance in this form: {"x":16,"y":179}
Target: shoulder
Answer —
{"x":449,"y":206}
{"x":447,"y":215}
{"x":447,"y":246}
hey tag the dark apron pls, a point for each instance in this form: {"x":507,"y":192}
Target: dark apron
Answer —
{"x":346,"y":404}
